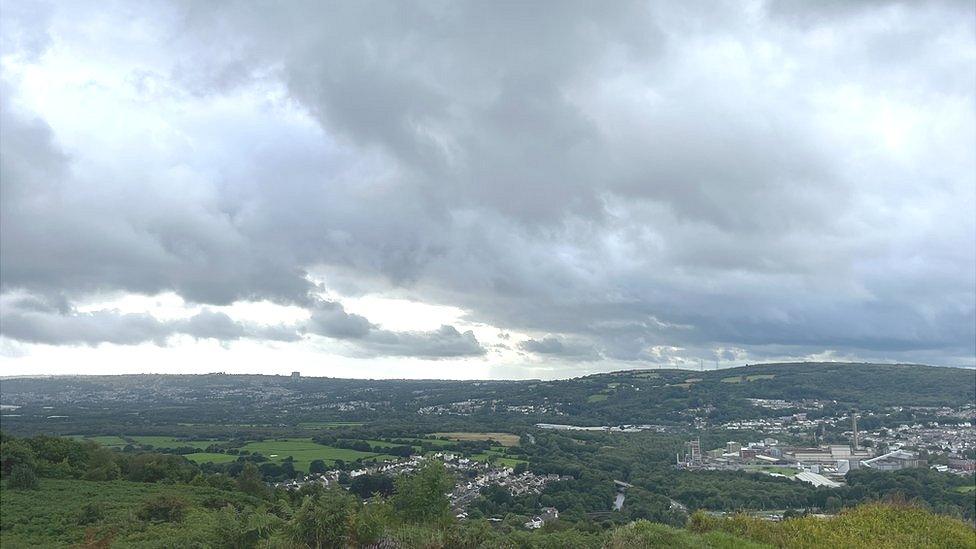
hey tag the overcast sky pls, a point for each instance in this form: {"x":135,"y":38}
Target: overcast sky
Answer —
{"x":485,"y":189}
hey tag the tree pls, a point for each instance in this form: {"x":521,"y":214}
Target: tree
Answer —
{"x":421,"y":497}
{"x":325,"y":522}
{"x":15,"y":452}
{"x":250,"y":481}
{"x":22,"y":477}
{"x":317,"y":466}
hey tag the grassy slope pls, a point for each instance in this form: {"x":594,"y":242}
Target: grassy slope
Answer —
{"x":875,"y":525}
{"x":48,"y":517}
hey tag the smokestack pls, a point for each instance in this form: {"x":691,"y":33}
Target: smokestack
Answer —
{"x":854,"y":428}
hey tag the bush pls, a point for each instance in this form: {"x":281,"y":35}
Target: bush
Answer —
{"x":22,"y":477}
{"x":325,"y":522}
{"x":90,"y":513}
{"x":163,"y":509}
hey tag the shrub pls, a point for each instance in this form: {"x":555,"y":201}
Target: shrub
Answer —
{"x":22,"y":477}
{"x":90,"y":513}
{"x":163,"y":509}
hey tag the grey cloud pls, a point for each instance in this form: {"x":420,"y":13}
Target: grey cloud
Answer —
{"x":29,"y":319}
{"x":444,"y":342}
{"x":330,"y":319}
{"x":563,"y":168}
{"x":570,"y":350}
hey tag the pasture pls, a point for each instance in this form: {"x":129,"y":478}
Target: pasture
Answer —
{"x":304,"y":451}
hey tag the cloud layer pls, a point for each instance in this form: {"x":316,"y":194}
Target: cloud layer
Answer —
{"x":625,"y":183}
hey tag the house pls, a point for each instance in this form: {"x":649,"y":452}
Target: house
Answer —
{"x":548,"y":514}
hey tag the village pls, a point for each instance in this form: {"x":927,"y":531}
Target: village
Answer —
{"x":472,"y":475}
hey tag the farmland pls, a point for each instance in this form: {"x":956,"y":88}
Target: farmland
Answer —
{"x":304,"y":451}
{"x":505,"y":439}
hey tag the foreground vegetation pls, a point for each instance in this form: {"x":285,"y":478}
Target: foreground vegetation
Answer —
{"x":129,"y":514}
{"x":63,"y":492}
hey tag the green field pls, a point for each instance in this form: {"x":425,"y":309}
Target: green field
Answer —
{"x":966,"y":489}
{"x":760,"y":376}
{"x":109,"y":441}
{"x":596,"y":398}
{"x":171,"y":442}
{"x":497,"y":458}
{"x":781,"y":470}
{"x":740,"y":379}
{"x":304,"y":451}
{"x":328,"y":424}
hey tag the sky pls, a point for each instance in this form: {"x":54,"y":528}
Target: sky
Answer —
{"x":484,"y":189}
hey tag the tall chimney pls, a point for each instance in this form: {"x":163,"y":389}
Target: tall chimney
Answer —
{"x":854,"y":428}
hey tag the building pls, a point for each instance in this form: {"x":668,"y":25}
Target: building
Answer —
{"x":894,"y":461}
{"x":296,"y":375}
{"x":732,"y":447}
{"x":826,"y":455}
{"x":962,"y":464}
{"x":694,"y":451}
{"x":548,"y":514}
{"x":816,"y":479}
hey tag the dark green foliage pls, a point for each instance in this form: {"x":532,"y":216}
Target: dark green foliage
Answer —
{"x":250,"y":481}
{"x":243,"y":529}
{"x":420,"y":497}
{"x":163,"y":508}
{"x":14,"y":452}
{"x":317,"y":466}
{"x":325,"y":521}
{"x":90,"y":513}
{"x":22,"y":477}
{"x":366,"y":486}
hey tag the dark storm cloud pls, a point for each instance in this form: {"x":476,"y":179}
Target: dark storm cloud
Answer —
{"x":644,"y":182}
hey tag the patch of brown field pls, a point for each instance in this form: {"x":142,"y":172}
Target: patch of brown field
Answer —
{"x":505,"y":439}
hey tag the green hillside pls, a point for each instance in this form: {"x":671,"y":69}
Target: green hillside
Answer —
{"x":68,"y":512}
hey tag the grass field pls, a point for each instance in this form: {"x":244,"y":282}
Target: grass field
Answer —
{"x":505,"y":439}
{"x":786,"y":471}
{"x":328,"y":424}
{"x":740,"y":379}
{"x":304,"y":451}
{"x":206,"y":457}
{"x":171,"y":442}
{"x":596,"y":398}
{"x":496,"y":454}
{"x":109,"y":441}
{"x":966,"y":489}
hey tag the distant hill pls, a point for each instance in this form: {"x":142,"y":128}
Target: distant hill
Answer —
{"x":66,"y":404}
